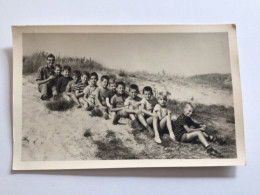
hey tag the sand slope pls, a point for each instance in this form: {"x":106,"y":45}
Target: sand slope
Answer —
{"x":53,"y":135}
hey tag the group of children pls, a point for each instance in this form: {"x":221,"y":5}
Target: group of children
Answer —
{"x":111,"y":98}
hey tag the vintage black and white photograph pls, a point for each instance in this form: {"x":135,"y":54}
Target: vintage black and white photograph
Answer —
{"x":169,"y":95}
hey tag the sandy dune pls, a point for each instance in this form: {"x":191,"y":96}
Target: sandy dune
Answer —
{"x":49,"y":135}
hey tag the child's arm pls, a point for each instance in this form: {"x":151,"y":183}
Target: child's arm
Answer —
{"x":108,"y":103}
{"x":77,"y":93}
{"x":189,"y":129}
{"x":98,"y":97}
{"x":58,"y":86}
{"x":196,"y":124}
{"x":159,"y":114}
{"x":142,"y":108}
{"x":51,"y":77}
{"x":129,"y":109}
{"x":157,"y":111}
{"x":116,"y":109}
{"x":68,"y":89}
{"x":86,"y":91}
{"x":113,"y":105}
{"x":132,"y":111}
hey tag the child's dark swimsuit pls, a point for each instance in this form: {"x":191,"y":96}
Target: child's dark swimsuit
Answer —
{"x":181,"y":121}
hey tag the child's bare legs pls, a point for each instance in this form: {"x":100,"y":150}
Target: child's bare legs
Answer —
{"x":81,"y":101}
{"x":54,"y":92}
{"x":173,"y":117}
{"x":75,"y":99}
{"x":166,"y":121}
{"x":145,"y":124}
{"x":44,"y":90}
{"x":104,"y":111}
{"x":116,"y":118}
{"x":142,"y":120}
{"x":122,"y":113}
{"x":154,"y":120}
{"x":132,"y":117}
{"x":187,"y":137}
{"x":113,"y":115}
{"x":88,"y":105}
{"x":66,"y":97}
{"x":205,"y":134}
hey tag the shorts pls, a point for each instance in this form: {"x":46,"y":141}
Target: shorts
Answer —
{"x":123,"y":113}
{"x":181,"y":137}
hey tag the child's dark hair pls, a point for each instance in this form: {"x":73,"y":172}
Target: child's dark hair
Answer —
{"x":94,"y":74}
{"x":51,"y":56}
{"x":105,"y":77}
{"x":120,"y":83}
{"x":85,"y":73}
{"x":147,"y":88}
{"x":77,"y":73}
{"x":66,"y":67}
{"x":134,"y":86}
{"x":58,"y":66}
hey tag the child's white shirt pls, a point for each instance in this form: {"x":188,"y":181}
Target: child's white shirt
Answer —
{"x":162,"y":110}
{"x":135,"y":103}
{"x":147,"y":105}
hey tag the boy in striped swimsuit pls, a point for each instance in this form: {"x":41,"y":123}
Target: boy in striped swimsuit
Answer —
{"x":81,"y":86}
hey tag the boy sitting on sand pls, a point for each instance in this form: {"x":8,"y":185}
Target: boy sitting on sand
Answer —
{"x":63,"y":81}
{"x":90,"y":92}
{"x":164,"y":115}
{"x":69,"y":93}
{"x":147,"y":105}
{"x":58,"y":75}
{"x":82,"y":84}
{"x":101,"y":96}
{"x":117,"y":103}
{"x":133,"y":103}
{"x":111,"y":92}
{"x":186,"y":130}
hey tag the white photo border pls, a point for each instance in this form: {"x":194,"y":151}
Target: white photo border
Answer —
{"x":18,"y":164}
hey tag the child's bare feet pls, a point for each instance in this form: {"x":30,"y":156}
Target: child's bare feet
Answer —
{"x":151,"y":133}
{"x":172,"y":137}
{"x":213,"y":152}
{"x":135,"y":125}
{"x":44,"y":97}
{"x":106,"y":117}
{"x":158,"y":140}
{"x":115,"y":120}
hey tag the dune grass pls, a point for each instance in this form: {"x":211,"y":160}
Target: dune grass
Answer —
{"x":112,"y":148}
{"x":37,"y":59}
{"x":59,"y":105}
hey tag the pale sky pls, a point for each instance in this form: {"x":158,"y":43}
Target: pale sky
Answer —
{"x":175,"y":53}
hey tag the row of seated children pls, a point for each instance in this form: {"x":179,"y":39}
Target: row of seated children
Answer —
{"x":150,"y":111}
